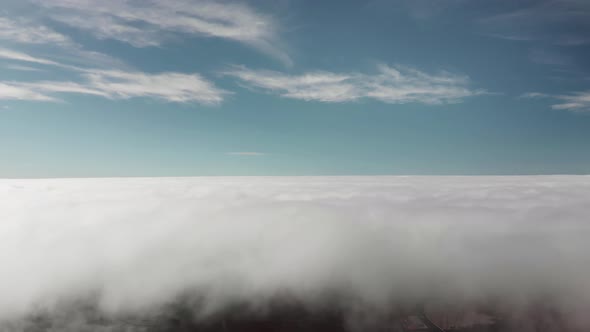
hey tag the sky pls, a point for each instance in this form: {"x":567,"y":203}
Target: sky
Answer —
{"x":197,"y":87}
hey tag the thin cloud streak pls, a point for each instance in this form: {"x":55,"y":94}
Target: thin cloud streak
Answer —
{"x":13,"y":55}
{"x":22,"y":68}
{"x":246,"y":153}
{"x":394,"y":85}
{"x":18,"y":56}
{"x":559,"y":22}
{"x":575,"y":102}
{"x":532,"y":95}
{"x":170,"y":87}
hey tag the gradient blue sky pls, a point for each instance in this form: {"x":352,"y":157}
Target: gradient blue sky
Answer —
{"x":293,"y":87}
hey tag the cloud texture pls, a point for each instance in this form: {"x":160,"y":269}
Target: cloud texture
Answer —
{"x":395,"y":85}
{"x":370,"y":242}
{"x":112,"y":84}
{"x":151,"y":23}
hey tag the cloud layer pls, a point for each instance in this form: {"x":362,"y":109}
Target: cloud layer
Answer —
{"x":374,"y":242}
{"x":395,"y":85}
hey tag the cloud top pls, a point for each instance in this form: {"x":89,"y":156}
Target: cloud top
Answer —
{"x":375,"y":242}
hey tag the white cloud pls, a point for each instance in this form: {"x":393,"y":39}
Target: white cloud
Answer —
{"x":173,"y":87}
{"x":394,"y":85}
{"x":15,"y":92}
{"x":76,"y":55}
{"x":60,"y":87}
{"x":27,"y":32}
{"x":322,"y":86}
{"x":147,"y":23}
{"x":371,"y":242}
{"x":113,"y":84}
{"x":560,"y":22}
{"x":18,"y":56}
{"x":170,"y":87}
{"x":575,"y":102}
{"x":534,"y":95}
{"x":21,"y":68}
{"x":246,"y":153}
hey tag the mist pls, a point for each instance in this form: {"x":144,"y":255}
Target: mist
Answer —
{"x":109,"y":254}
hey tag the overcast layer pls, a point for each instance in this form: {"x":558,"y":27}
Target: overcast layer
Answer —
{"x":376,"y":241}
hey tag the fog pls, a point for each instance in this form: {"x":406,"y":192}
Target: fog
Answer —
{"x":131,"y":247}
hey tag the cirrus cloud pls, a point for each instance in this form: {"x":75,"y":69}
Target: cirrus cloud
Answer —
{"x":559,"y":22}
{"x":27,"y":32}
{"x":148,"y":23}
{"x":112,"y":84}
{"x":16,"y":92}
{"x":394,"y":85}
{"x":23,"y":57}
{"x":574,"y":102}
{"x":246,"y":153}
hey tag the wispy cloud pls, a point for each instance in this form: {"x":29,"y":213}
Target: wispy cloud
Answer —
{"x":574,"y":102}
{"x":27,"y":32}
{"x":148,"y":23}
{"x":548,"y":57}
{"x":112,"y":84}
{"x":21,"y":67}
{"x":532,"y":95}
{"x":173,"y":87}
{"x":170,"y":87}
{"x":16,"y":92}
{"x":75,"y":55}
{"x":246,"y":153}
{"x":395,"y":85}
{"x":561,"y":22}
{"x":19,"y":56}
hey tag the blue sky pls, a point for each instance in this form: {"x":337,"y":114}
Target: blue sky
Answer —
{"x":285,"y":87}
